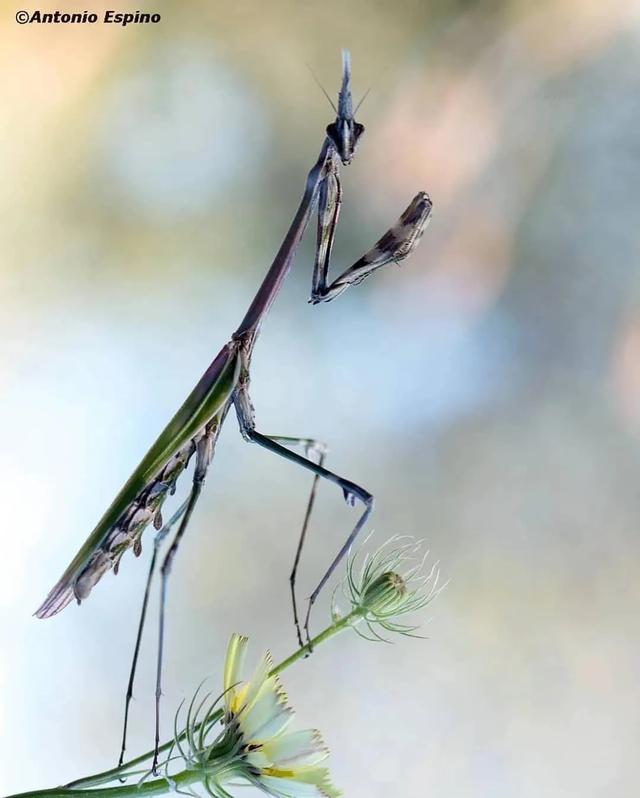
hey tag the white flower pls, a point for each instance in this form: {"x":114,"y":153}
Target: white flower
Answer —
{"x":254,"y":745}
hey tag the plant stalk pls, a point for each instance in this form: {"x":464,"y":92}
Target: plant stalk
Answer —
{"x":163,"y":785}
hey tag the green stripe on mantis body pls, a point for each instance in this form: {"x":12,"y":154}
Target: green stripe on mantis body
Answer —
{"x":206,"y":401}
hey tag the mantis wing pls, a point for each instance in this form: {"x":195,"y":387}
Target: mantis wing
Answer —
{"x":92,"y":560}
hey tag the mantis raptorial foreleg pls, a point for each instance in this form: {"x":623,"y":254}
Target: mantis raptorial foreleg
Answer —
{"x":329,"y":202}
{"x":394,"y":246}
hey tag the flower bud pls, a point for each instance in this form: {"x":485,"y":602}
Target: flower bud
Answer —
{"x":385,"y":593}
{"x":390,"y":584}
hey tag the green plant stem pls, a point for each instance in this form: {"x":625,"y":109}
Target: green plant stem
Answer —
{"x":156,"y":787}
{"x":162,"y":785}
{"x":330,"y":631}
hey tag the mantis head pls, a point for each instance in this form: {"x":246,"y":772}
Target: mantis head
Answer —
{"x":345,"y":132}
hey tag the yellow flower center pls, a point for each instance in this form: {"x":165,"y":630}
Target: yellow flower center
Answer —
{"x":396,"y":582}
{"x":279,"y":773}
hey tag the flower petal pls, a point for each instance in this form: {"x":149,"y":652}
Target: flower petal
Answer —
{"x":258,"y":758}
{"x":319,"y":777}
{"x":296,"y":749}
{"x":233,"y":666}
{"x":303,"y":783}
{"x":256,"y":683}
{"x":289,"y":788}
{"x":267,"y":718}
{"x":268,"y":713}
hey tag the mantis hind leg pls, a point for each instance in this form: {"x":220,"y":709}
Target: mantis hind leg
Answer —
{"x":311,"y":447}
{"x":350,"y":490}
{"x":204,"y":454}
{"x":161,"y":534}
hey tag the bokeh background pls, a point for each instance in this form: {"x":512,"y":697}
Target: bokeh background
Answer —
{"x":488,"y":392}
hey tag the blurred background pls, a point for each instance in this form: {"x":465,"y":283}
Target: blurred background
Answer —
{"x":488,"y":392}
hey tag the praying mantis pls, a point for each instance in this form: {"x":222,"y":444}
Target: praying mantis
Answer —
{"x":193,"y":431}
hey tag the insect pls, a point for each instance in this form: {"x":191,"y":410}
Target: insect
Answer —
{"x":193,"y":431}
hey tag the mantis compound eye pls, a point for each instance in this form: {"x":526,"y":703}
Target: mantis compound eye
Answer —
{"x":332,"y":132}
{"x":344,"y":133}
